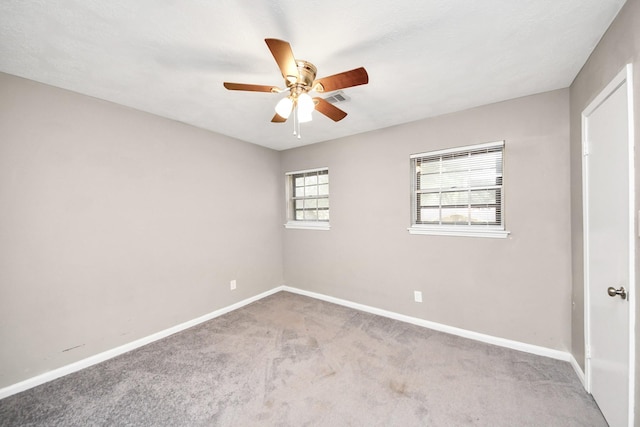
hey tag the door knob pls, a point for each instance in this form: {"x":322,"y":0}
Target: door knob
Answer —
{"x":613,"y":292}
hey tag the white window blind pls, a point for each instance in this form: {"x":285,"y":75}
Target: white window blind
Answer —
{"x":459,"y":189}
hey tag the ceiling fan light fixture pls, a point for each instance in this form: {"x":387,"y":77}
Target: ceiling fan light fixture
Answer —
{"x":300,"y":79}
{"x":284,"y":107}
{"x":305,"y":104}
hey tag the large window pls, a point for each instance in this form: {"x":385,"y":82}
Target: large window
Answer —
{"x":308,"y":199}
{"x":459,"y":191}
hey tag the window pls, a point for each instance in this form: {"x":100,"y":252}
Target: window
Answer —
{"x":459,"y":191}
{"x":308,"y":199}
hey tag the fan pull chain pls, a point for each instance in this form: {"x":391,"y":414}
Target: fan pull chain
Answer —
{"x":294,"y":120}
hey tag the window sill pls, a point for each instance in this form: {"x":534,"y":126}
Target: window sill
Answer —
{"x":496,"y":234}
{"x":302,"y":225}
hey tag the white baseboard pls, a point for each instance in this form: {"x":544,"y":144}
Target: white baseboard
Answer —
{"x":109,"y":354}
{"x":106,"y":355}
{"x":502,"y":342}
{"x":579,"y":371}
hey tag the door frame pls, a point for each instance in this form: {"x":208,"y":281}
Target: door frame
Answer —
{"x":624,"y":76}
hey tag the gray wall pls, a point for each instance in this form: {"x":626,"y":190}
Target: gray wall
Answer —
{"x":619,"y":46}
{"x":517,"y":288}
{"x":115,"y":224}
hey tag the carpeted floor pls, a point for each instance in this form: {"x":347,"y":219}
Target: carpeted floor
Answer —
{"x":289,"y":360}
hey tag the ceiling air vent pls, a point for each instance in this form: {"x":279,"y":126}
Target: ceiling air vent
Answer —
{"x":338,"y":96}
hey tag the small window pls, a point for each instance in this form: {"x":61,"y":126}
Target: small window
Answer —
{"x":308,"y":199}
{"x":459,"y":191}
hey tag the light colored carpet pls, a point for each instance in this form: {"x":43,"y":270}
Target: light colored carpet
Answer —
{"x":289,"y":360}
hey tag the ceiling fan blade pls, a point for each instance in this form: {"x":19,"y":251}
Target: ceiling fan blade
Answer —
{"x":251,"y":88}
{"x":355,"y":77}
{"x":329,"y":110}
{"x":278,"y":119}
{"x":282,"y":53}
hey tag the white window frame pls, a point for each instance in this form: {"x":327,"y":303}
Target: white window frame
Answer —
{"x":292,"y":223}
{"x":479,"y":230}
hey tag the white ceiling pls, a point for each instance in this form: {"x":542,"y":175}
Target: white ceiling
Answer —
{"x":424,"y":57}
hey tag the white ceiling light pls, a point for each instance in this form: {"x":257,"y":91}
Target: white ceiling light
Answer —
{"x":305,"y":104}
{"x":284,"y":107}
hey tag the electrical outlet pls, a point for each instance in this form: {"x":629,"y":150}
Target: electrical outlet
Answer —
{"x":232,"y":284}
{"x":417,"y":296}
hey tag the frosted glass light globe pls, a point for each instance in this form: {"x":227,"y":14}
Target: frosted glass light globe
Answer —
{"x":305,"y":104}
{"x":284,"y":106}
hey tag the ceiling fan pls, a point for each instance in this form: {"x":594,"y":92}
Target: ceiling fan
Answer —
{"x":300,"y":79}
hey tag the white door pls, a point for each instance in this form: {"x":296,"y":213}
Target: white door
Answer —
{"x":609,"y":239}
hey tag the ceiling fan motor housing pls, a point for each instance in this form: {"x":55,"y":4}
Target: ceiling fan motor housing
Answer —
{"x":306,"y":74}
